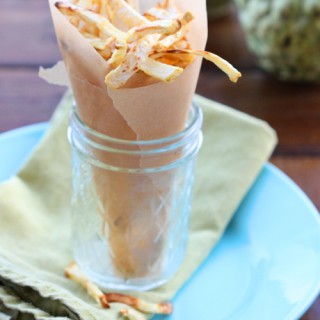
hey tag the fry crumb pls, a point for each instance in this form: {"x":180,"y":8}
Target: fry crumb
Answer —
{"x":139,"y":304}
{"x":73,"y":272}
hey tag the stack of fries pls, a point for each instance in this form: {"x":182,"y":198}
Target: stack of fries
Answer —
{"x":154,"y":43}
{"x":133,"y":77}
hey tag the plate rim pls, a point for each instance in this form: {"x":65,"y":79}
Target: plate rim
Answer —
{"x":27,"y":129}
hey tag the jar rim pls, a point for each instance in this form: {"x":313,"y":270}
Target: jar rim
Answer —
{"x":183,"y":145}
{"x":193,"y":125}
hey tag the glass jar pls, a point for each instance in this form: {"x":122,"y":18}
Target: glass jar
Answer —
{"x":131,"y":204}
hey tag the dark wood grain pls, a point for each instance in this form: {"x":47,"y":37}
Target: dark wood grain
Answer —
{"x":26,"y":33}
{"x":25,"y":98}
{"x":292,"y":109}
{"x":28,"y":40}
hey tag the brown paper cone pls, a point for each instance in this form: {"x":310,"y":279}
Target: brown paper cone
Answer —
{"x":143,"y":110}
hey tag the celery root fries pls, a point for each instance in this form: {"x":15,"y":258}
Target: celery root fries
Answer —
{"x":133,"y":74}
{"x":154,"y":43}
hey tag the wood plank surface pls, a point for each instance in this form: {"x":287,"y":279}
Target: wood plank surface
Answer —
{"x":25,"y":98}
{"x":293,"y":110}
{"x":26,"y":33}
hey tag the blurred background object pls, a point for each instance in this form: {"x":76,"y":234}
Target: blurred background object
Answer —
{"x":284,"y":35}
{"x":217,"y":8}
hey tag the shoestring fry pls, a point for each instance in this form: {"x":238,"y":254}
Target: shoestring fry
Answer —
{"x":154,"y":42}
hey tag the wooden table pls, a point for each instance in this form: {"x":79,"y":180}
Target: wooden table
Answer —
{"x":27,"y":41}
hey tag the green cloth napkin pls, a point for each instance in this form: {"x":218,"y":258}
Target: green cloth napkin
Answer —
{"x":35,"y":241}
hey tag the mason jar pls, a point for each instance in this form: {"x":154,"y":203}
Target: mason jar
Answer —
{"x":131,"y":204}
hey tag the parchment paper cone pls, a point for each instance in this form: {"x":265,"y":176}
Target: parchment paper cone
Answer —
{"x":143,"y":110}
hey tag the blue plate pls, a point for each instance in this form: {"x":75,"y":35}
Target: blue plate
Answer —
{"x":266,"y":266}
